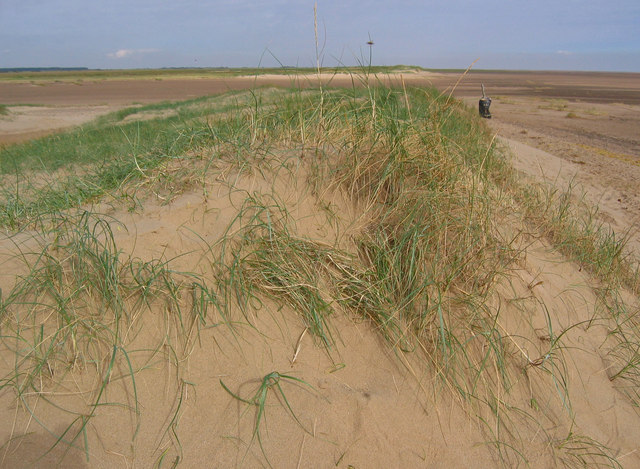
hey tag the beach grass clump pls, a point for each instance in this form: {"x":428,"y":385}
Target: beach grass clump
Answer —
{"x":313,"y":278}
{"x":62,"y":171}
{"x":623,"y":341}
{"x":582,"y":451}
{"x":425,"y":261}
{"x":432,"y":191}
{"x":576,"y":230}
{"x":77,"y":308}
{"x":423,"y":266}
{"x":270,"y":384}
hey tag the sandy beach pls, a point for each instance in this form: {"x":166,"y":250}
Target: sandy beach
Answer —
{"x":364,"y":404}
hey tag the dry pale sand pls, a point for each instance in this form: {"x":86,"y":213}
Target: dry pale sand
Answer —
{"x":24,"y":123}
{"x":367,"y":407}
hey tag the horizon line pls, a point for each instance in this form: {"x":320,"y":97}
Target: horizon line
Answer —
{"x":286,"y":68}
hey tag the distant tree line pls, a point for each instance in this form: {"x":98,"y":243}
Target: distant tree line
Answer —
{"x":42,"y":69}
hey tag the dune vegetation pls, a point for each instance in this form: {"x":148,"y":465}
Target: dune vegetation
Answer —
{"x":307,"y":278}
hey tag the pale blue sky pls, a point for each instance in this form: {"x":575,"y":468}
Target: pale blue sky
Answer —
{"x":508,"y":34}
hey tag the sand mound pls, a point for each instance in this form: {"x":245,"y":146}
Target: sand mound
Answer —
{"x":375,"y":302}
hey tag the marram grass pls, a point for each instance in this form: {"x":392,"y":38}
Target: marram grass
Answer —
{"x":431,"y":188}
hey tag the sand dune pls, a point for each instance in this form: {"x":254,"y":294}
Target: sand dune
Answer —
{"x":243,"y":380}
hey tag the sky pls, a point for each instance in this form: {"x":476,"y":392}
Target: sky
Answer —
{"x":499,"y":34}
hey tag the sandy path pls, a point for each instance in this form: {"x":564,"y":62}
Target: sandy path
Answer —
{"x":597,"y":148}
{"x":24,"y":123}
{"x":619,"y":208}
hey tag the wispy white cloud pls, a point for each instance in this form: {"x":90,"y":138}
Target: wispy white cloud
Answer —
{"x":124,"y":53}
{"x":564,"y":52}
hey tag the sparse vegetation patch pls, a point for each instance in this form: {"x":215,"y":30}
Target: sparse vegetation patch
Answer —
{"x":235,"y":235}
